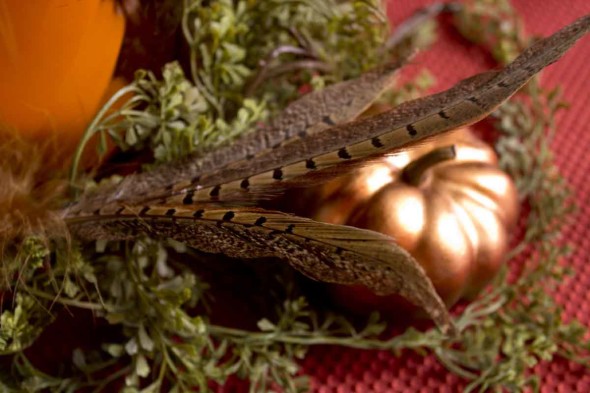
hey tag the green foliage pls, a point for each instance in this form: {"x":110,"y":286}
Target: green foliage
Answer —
{"x":410,"y":90}
{"x":18,"y":326}
{"x":247,"y":60}
{"x":22,"y":260}
{"x":495,"y":25}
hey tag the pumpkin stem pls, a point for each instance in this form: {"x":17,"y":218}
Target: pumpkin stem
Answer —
{"x":414,"y":171}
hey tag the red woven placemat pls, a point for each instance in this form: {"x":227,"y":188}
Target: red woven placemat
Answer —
{"x":336,"y":369}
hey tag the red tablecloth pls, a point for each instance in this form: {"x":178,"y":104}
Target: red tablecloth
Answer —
{"x":336,"y":369}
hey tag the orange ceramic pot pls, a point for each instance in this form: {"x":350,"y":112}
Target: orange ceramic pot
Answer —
{"x":57,"y":58}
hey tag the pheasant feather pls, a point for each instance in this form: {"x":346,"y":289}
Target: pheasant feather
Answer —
{"x":314,"y":139}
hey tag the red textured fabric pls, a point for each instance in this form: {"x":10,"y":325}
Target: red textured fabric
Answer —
{"x":343,"y":370}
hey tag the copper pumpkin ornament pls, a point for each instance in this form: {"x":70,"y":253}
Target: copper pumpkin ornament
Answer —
{"x":454,"y":213}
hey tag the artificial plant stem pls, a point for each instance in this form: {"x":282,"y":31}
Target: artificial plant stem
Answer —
{"x":303,"y":338}
{"x":91,"y":129}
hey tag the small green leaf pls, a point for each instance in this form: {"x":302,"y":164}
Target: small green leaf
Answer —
{"x":131,"y":347}
{"x":265,"y":325}
{"x":142,"y":368}
{"x":145,"y":342}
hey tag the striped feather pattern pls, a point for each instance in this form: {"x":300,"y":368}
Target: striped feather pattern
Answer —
{"x":324,"y":252}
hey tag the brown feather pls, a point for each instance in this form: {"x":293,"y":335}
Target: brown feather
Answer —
{"x":303,"y":118}
{"x":343,"y":147}
{"x":325,"y":252}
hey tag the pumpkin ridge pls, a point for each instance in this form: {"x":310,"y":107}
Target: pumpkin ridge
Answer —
{"x":471,"y":183}
{"x":491,"y":198}
{"x":441,"y":280}
{"x":464,"y":217}
{"x":467,"y":220}
{"x":456,"y":188}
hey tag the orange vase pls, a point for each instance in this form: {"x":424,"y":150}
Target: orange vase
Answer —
{"x":57,"y":58}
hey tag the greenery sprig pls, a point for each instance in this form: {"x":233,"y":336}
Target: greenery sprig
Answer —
{"x":248,"y":59}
